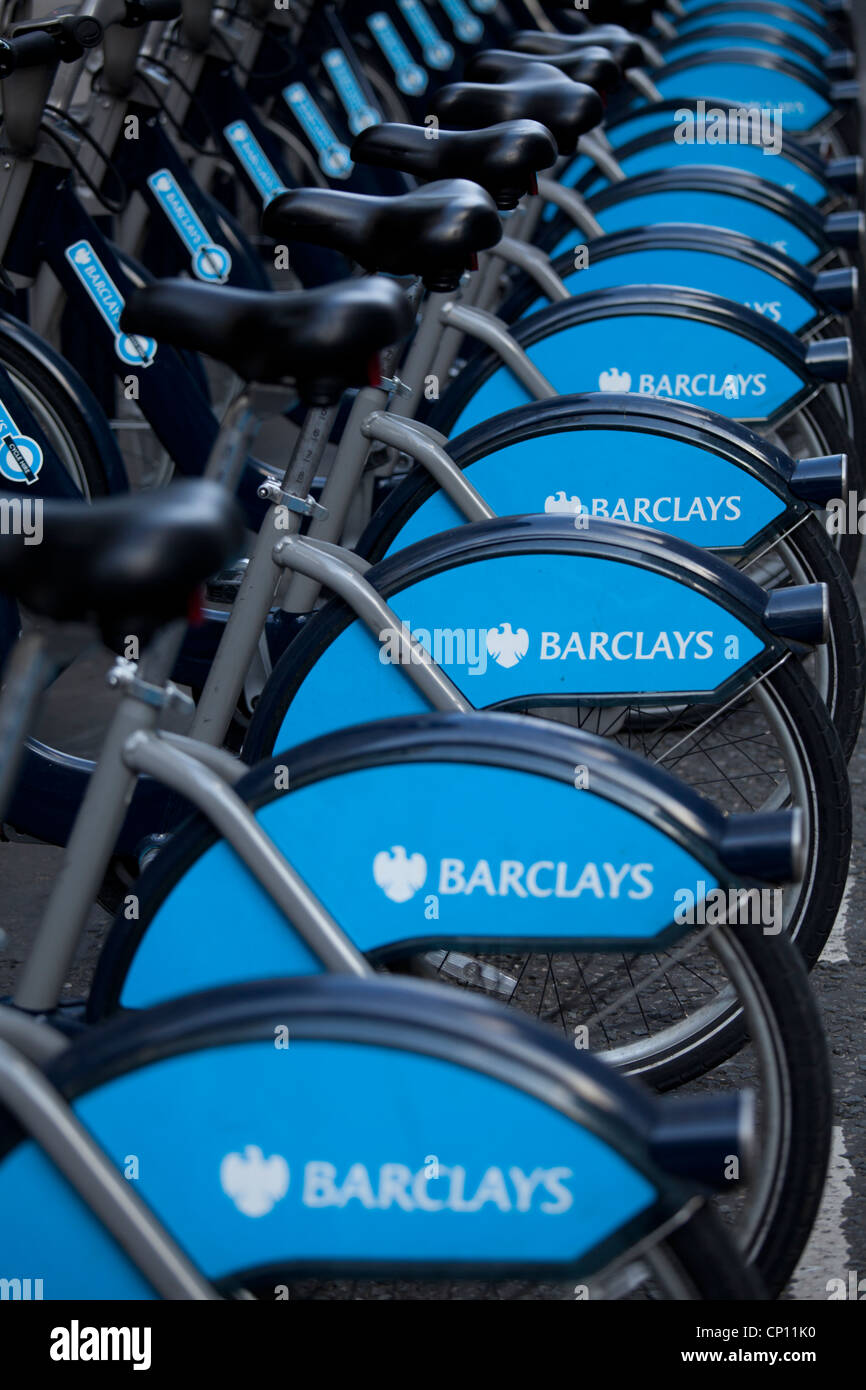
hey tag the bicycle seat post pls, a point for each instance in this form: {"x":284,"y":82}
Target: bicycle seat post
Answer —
{"x":296,"y":592}
{"x":250,"y":609}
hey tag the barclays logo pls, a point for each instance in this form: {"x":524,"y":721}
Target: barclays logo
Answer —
{"x":434,"y":1188}
{"x":647,"y":511}
{"x":506,"y":646}
{"x":401,"y":875}
{"x":254,"y":1183}
{"x":470,"y":647}
{"x":684,"y":386}
{"x":614,"y":380}
{"x":449,"y":1188}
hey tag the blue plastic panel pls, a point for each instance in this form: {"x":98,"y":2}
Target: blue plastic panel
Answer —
{"x":750,"y":158}
{"x":801,"y":105}
{"x":626,"y":475}
{"x":711,"y":210}
{"x":702,"y":270}
{"x":327,"y":1151}
{"x":745,"y":14}
{"x":427,"y":850}
{"x":683,"y":359}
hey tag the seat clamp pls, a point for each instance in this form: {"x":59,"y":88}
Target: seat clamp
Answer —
{"x":123,"y":676}
{"x":270,"y":491}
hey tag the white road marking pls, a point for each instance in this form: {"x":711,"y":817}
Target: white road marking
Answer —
{"x":835,"y":951}
{"x":827,"y":1254}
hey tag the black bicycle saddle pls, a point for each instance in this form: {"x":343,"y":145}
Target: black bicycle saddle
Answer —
{"x":434,"y":232}
{"x":538,"y":93}
{"x":504,"y":158}
{"x":622,"y":46}
{"x":132,"y":563}
{"x":592,"y":65}
{"x":324,"y":339}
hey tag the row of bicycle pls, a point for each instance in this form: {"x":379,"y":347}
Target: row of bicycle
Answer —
{"x":541,"y":655}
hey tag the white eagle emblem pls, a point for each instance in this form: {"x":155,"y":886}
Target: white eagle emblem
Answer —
{"x":614,"y":380}
{"x":558,"y":502}
{"x":254,"y":1183}
{"x":506,"y":646}
{"x":399,"y":874}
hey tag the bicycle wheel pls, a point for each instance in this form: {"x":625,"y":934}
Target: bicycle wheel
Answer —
{"x":642,"y":1013}
{"x":65,"y":411}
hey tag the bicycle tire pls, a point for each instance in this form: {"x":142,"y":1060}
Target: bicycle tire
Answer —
{"x":66,"y":403}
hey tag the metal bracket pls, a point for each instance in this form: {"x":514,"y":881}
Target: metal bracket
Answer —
{"x":169,"y":697}
{"x":425,"y":446}
{"x":489,"y":329}
{"x":270,"y":491}
{"x":535,"y":263}
{"x":572,"y":204}
{"x":395,"y":385}
{"x":664,"y":26}
{"x":336,"y":552}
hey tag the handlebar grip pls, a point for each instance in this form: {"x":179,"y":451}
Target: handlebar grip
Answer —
{"x":43,"y":45}
{"x":79,"y":31}
{"x":35,"y":50}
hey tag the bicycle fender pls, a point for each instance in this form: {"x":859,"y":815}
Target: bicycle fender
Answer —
{"x":721,"y":198}
{"x":793,"y":168}
{"x":752,"y":78}
{"x":548,"y":1161}
{"x":499,"y":833}
{"x":508,"y":609}
{"x":687,"y":471}
{"x":752,"y":273}
{"x":665,"y":341}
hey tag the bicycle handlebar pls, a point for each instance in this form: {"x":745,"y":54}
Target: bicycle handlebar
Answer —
{"x":49,"y":42}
